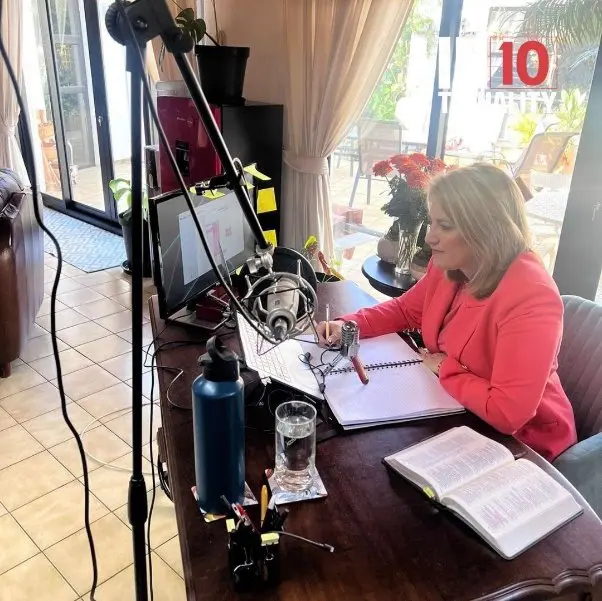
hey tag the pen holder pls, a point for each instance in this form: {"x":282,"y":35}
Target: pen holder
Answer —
{"x":253,"y":558}
{"x":271,"y":558}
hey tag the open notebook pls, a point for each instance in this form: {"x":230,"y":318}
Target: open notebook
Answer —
{"x":512,"y":503}
{"x":401,"y":388}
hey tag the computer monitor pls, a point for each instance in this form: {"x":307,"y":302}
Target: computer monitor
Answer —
{"x":181,"y":269}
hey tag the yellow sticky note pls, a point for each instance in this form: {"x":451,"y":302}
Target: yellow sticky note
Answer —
{"x":266,"y":200}
{"x":213,"y":194}
{"x":428,"y":491}
{"x":252,"y":170}
{"x":249,"y":185}
{"x":270,"y":538}
{"x":270,"y":236}
{"x":230,"y":526}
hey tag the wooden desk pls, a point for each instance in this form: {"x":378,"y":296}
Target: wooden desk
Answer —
{"x":390,"y":543}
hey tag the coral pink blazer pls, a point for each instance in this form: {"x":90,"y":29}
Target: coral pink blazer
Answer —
{"x":502,"y":351}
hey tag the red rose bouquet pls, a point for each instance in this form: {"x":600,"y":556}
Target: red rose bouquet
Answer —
{"x":408,"y":177}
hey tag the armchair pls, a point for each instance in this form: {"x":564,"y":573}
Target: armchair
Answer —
{"x":21,"y":268}
{"x":580,"y":371}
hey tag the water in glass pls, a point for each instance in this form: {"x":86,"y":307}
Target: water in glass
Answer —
{"x":295,"y":445}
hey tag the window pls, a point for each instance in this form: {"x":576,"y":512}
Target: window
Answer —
{"x":396,"y":119}
{"x":534,"y":133}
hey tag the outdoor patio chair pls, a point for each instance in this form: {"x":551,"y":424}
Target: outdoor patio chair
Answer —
{"x":543,"y":154}
{"x":348,"y":148}
{"x":377,"y":141}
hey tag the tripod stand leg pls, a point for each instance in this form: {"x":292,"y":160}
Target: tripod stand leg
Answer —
{"x":137,"y":503}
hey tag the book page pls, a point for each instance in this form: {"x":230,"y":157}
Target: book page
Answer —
{"x":507,"y":498}
{"x":452,"y":459}
{"x":392,"y":394}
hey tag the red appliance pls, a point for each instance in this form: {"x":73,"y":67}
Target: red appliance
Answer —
{"x":187,"y":138}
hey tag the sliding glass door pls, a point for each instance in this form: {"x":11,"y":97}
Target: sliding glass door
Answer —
{"x":69,"y":109}
{"x":534,"y":131}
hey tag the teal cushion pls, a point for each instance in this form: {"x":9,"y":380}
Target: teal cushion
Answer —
{"x":581,"y":465}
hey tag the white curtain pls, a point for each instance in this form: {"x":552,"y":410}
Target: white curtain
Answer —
{"x":12,"y":36}
{"x":336,"y":53}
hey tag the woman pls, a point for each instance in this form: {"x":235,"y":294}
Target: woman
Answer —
{"x":490,"y":314}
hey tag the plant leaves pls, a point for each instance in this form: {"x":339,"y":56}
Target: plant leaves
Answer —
{"x":195,"y":28}
{"x":186,"y":15}
{"x":200,"y":29}
{"x":118,"y":184}
{"x":569,"y":22}
{"x":119,"y":194}
{"x":125,"y":202}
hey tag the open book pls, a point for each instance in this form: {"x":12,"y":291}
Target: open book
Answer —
{"x":511,"y":503}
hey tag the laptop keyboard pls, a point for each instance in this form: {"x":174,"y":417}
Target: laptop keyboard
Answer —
{"x":260,"y":355}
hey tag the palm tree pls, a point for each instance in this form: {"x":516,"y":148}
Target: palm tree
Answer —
{"x":572,"y":23}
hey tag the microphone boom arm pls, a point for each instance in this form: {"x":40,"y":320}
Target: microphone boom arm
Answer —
{"x":150,"y":19}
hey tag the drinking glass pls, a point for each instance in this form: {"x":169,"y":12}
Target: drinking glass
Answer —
{"x":295,"y":445}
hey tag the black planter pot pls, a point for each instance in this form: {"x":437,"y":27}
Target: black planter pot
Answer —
{"x":126,"y":228}
{"x":222,"y":72}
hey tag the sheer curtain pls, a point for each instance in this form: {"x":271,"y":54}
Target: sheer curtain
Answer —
{"x":12,"y":36}
{"x":336,"y":52}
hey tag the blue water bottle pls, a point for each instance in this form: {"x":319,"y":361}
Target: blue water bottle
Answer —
{"x":219,"y":428}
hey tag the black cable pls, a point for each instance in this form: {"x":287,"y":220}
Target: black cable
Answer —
{"x":154,"y":493}
{"x":27,"y":142}
{"x":163,"y":480}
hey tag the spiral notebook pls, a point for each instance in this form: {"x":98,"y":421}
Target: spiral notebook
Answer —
{"x":400,"y":389}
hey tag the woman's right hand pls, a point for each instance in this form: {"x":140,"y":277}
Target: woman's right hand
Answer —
{"x":334,"y":333}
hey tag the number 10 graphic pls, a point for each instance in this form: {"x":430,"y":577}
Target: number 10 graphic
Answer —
{"x":522,"y":63}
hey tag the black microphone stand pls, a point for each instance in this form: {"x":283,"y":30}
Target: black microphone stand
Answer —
{"x":137,"y":501}
{"x":134,"y":24}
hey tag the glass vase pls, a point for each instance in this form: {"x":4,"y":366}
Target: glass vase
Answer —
{"x":406,"y":250}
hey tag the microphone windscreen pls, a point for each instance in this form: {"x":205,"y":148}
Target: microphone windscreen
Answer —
{"x":112,"y":23}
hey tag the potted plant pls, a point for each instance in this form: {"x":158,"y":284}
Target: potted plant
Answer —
{"x":221,"y":68}
{"x":311,"y":251}
{"x":408,"y":177}
{"x":570,"y":117}
{"x":122,"y":193}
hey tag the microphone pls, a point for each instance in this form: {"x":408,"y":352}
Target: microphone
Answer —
{"x":282,"y":305}
{"x":350,"y":347}
{"x":350,"y":334}
{"x":282,"y":302}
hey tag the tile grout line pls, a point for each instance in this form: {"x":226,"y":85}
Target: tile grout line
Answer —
{"x":47,"y":559}
{"x":77,"y":595}
{"x":29,"y":537}
{"x":11,"y":511}
{"x":119,"y":413}
{"x":92,"y":495}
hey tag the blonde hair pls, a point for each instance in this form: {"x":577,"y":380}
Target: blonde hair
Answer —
{"x":487,"y":207}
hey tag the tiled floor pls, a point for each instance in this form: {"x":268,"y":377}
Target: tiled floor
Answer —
{"x":43,"y":547}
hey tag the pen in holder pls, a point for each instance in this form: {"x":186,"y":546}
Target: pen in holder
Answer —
{"x":253,"y":555}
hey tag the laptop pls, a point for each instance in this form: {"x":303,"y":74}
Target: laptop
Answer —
{"x":280,"y":363}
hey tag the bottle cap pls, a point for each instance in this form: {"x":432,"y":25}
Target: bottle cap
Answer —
{"x":219,"y":363}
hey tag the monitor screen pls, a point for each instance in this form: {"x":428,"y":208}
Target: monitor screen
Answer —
{"x":181,"y":267}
